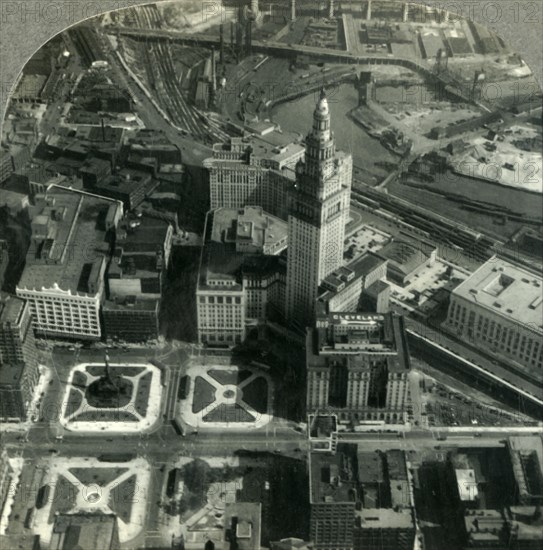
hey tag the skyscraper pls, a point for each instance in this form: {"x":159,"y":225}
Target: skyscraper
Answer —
{"x":318,"y":212}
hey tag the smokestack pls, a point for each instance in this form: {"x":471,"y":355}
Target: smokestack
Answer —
{"x":293,"y":10}
{"x":331,"y":9}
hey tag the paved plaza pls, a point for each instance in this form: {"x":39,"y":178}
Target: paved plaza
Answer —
{"x":86,"y":485}
{"x":140,"y":411}
{"x":227,"y":397}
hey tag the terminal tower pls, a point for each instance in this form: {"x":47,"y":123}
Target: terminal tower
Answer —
{"x":318,"y":210}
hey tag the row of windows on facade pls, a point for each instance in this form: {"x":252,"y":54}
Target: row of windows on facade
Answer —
{"x":41,"y":300}
{"x":62,"y":310}
{"x":41,"y":318}
{"x":219,"y":300}
{"x":222,"y":337}
{"x":492,"y":331}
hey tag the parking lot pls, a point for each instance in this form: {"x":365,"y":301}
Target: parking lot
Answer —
{"x":444,"y":406}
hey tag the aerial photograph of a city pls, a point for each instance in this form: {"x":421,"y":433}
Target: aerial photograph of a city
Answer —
{"x":271,"y":278}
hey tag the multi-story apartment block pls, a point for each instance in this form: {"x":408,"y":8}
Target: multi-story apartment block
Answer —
{"x":357,"y":366}
{"x":360,"y":500}
{"x":63,"y":279}
{"x":253,"y":170}
{"x":242,"y":273}
{"x":318,"y":212}
{"x":17,"y":343}
{"x":499,"y":308}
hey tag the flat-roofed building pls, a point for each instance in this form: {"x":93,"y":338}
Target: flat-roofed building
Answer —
{"x":526,"y":454}
{"x":242,"y":526}
{"x":241,"y":277}
{"x":254,"y":170}
{"x":129,"y":186}
{"x":7,"y":166}
{"x":406,"y":258}
{"x":85,"y":532}
{"x":63,"y":279}
{"x":17,"y":383}
{"x":17,"y":344}
{"x":136,"y":277}
{"x":251,"y":229}
{"x":354,"y":505}
{"x":343,"y":289}
{"x":132,"y":318}
{"x":357,"y":367}
{"x":499,"y":308}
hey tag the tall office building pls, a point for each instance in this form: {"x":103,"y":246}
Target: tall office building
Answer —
{"x":256,"y":169}
{"x":318,"y":212}
{"x":241,"y":278}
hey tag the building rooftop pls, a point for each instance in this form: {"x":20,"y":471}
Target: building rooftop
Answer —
{"x":11,"y":373}
{"x":11,"y":308}
{"x":508,"y":290}
{"x":406,"y":255}
{"x":359,"y":332}
{"x":84,"y":531}
{"x":341,"y":279}
{"x":126,"y":181}
{"x":142,"y":235}
{"x":68,"y":247}
{"x":353,"y":475}
{"x":276,"y":147}
{"x":333,"y":477}
{"x":139,"y":303}
{"x":370,"y":467}
{"x":467,"y":484}
{"x":221,"y":262}
{"x":248,"y":226}
{"x":385,"y":518}
{"x":242,"y":525}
